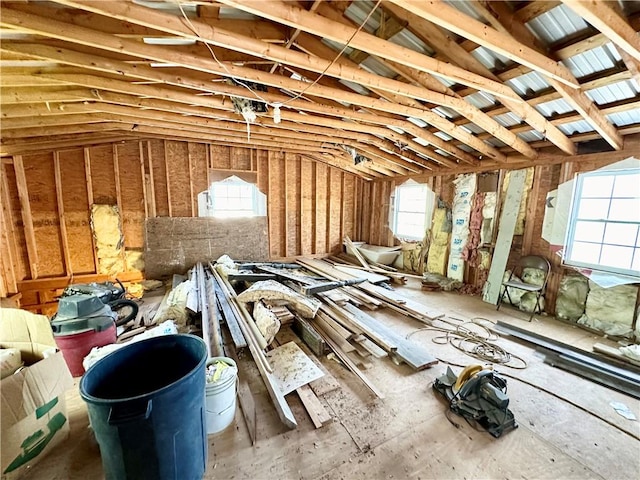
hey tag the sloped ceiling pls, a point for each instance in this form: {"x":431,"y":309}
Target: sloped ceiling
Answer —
{"x":378,"y":88}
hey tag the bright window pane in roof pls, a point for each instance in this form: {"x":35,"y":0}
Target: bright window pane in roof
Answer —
{"x":575,"y":127}
{"x":405,"y":38}
{"x":528,"y":84}
{"x":590,"y":62}
{"x":554,"y":107}
{"x":620,"y":119}
{"x":557,"y":24}
{"x":614,"y":92}
{"x":491,"y":59}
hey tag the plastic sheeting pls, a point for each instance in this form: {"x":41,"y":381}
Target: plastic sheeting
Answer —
{"x":610,"y":309}
{"x":572,"y":297}
{"x":465,"y":187}
{"x":438,"y":248}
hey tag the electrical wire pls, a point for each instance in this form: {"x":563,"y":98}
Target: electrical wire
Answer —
{"x":298,"y":95}
{"x":476,"y":344}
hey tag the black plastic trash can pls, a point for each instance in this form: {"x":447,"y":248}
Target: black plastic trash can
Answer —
{"x":146,"y":404}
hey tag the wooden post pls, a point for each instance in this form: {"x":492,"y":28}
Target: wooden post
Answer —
{"x":116,"y":171}
{"x":166,"y":172}
{"x":285,"y":223}
{"x":327,"y":245}
{"x":27,"y":219}
{"x":505,"y":235}
{"x":300,"y":211}
{"x":194,"y":207}
{"x":152,"y":186}
{"x":144,"y":179}
{"x":87,"y":174}
{"x":532,"y":209}
{"x":314,"y":203}
{"x":61,"y":217}
{"x":7,"y":231}
{"x":342,"y":205}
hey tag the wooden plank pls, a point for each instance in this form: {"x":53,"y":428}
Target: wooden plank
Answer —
{"x":27,"y":219}
{"x":7,"y":234}
{"x":245,"y":397}
{"x":64,"y":239}
{"x":230,"y":317}
{"x":506,"y":227}
{"x":352,"y":366}
{"x":143,"y":179}
{"x":89,"y":179}
{"x":116,"y":173}
{"x":167,"y":176}
{"x":282,"y":407}
{"x":606,"y":19}
{"x":194,"y":205}
{"x":318,"y":414}
{"x":411,"y":353}
{"x":614,"y":353}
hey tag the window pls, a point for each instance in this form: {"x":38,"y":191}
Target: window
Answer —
{"x":412,"y":210}
{"x":233,"y":197}
{"x":604,"y":224}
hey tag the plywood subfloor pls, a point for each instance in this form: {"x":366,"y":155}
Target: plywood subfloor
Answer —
{"x":567,"y":427}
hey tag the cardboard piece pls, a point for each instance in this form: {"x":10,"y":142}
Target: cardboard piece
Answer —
{"x":33,"y":410}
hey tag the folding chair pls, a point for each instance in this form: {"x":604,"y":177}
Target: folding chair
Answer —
{"x":529,"y":261}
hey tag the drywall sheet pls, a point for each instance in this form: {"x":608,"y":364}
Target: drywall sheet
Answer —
{"x":292,"y":368}
{"x":173,"y":245}
{"x":506,"y":228}
{"x":107,"y":231}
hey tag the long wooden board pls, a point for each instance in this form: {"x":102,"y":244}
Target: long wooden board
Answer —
{"x":411,"y":353}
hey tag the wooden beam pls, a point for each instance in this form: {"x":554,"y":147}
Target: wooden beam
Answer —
{"x":534,"y":9}
{"x":64,"y":239}
{"x":116,"y":172}
{"x":8,"y":230}
{"x":455,"y":21}
{"x":445,"y":45}
{"x":194,"y":202}
{"x":606,"y":19}
{"x":27,"y":219}
{"x":89,"y":180}
{"x":575,"y":97}
{"x":103,"y":41}
{"x":100,"y":64}
{"x":295,"y":17}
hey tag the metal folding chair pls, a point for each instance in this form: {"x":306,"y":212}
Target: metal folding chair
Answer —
{"x":529,"y":261}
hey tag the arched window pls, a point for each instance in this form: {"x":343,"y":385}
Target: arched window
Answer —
{"x":232,"y":198}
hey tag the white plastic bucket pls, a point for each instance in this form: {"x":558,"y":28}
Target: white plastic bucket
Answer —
{"x":220,"y":399}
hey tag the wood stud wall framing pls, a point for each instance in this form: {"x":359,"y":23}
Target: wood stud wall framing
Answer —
{"x":47,"y":198}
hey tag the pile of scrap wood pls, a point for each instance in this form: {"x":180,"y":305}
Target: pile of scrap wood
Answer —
{"x":287,"y":315}
{"x":324,"y":306}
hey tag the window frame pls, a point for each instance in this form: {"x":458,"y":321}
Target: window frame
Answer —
{"x":231,"y":181}
{"x":574,"y":218}
{"x":396,"y":211}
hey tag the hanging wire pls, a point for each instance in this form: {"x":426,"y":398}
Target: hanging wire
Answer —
{"x":277,"y":105}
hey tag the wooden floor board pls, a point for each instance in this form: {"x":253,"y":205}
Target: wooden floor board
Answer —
{"x":568,"y":428}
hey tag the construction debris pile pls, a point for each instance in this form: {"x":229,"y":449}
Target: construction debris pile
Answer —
{"x":287,"y":315}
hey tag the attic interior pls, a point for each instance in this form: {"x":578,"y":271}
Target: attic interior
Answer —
{"x":414,"y":154}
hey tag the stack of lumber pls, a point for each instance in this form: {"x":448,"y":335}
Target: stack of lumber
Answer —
{"x":325,"y":305}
